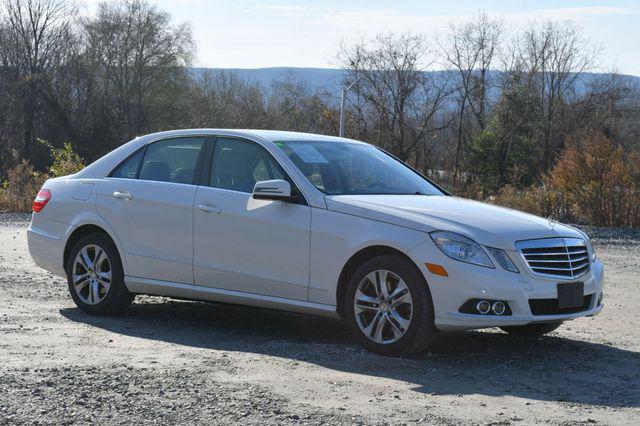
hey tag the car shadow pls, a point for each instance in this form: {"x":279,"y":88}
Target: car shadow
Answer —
{"x":548,"y":368}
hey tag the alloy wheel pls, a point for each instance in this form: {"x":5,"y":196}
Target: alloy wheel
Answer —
{"x":91,"y":274}
{"x":383,"y":306}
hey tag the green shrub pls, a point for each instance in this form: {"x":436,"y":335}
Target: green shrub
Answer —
{"x":65,"y":160}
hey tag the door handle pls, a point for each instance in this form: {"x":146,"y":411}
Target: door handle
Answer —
{"x":122,"y":195}
{"x":209,"y":208}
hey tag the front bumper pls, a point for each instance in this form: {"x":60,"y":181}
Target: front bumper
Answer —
{"x":466,"y":281}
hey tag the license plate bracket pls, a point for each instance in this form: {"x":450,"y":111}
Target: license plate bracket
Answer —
{"x":570,"y":295}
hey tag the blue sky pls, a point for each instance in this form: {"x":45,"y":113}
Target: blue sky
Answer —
{"x":306,"y":33}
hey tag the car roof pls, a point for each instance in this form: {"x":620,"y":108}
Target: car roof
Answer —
{"x":104,"y":165}
{"x":270,"y":135}
{"x":282,"y":136}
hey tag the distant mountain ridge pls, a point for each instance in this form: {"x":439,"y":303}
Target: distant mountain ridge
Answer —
{"x":330,"y":79}
{"x":314,"y":78}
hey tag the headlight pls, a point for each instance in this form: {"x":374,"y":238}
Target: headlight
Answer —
{"x":592,"y":252}
{"x":503,"y":259}
{"x":459,"y":247}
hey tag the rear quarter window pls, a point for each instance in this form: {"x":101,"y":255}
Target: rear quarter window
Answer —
{"x":129,"y":169}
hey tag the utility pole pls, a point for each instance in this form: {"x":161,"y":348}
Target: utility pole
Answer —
{"x":342,"y":96}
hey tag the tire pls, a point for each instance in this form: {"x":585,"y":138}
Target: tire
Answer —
{"x":418,"y":332}
{"x":91,"y":293}
{"x":532,"y":330}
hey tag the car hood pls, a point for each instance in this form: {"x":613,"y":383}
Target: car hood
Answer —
{"x":487,"y":224}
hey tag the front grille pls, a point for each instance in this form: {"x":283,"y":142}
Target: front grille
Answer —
{"x":556,"y":257}
{"x":550,"y":306}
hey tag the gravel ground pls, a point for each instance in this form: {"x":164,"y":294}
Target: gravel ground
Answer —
{"x":174,"y":361}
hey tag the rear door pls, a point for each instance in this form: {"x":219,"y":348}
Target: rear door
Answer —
{"x":148,"y":201}
{"x":243,"y":244}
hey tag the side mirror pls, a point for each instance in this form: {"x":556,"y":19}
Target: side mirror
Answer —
{"x":276,"y":189}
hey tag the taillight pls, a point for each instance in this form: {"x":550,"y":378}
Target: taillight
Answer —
{"x":43,"y":197}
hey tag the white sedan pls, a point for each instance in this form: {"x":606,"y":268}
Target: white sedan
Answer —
{"x":311,"y":224}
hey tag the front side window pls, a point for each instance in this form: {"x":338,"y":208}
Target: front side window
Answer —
{"x":172,"y":160}
{"x":238,"y":165}
{"x":343,"y":168}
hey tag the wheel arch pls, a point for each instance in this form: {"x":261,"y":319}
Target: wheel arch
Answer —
{"x":79,"y":232}
{"x":355,"y":261}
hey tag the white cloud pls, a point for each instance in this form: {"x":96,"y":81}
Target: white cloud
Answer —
{"x":374,"y":19}
{"x":290,"y":10}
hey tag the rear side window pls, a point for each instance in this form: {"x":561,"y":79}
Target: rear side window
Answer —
{"x":238,"y":165}
{"x":171,"y":160}
{"x":129,"y":169}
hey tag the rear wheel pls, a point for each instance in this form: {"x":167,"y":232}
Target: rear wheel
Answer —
{"x":532,"y":330}
{"x":389,"y":307}
{"x":96,"y":278}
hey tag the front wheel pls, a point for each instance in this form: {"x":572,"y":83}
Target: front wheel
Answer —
{"x":389,"y":307}
{"x":532,"y":330}
{"x":96,"y":277}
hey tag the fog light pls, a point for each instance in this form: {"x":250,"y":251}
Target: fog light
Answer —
{"x":600,"y":297}
{"x":483,"y":307}
{"x":498,"y":308}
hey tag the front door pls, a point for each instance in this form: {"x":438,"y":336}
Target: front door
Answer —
{"x":243,"y":244}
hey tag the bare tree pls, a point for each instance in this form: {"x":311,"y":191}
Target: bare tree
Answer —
{"x":10,"y":118}
{"x":294,"y":106}
{"x":390,"y":77}
{"x":138,"y":53}
{"x":222,"y":99}
{"x":554,"y":57}
{"x":37,"y":35}
{"x":470,"y":51}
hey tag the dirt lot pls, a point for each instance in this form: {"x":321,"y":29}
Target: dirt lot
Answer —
{"x":172,"y":361}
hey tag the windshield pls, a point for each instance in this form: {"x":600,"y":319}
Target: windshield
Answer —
{"x":343,"y":168}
